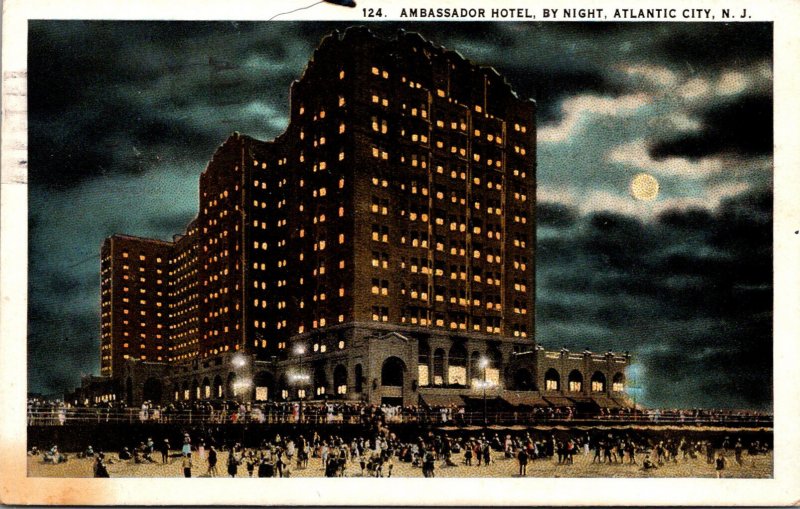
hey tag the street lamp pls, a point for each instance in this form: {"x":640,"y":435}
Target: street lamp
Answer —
{"x":484,"y":365}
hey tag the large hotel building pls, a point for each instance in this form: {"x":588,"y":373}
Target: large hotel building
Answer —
{"x":381,"y":249}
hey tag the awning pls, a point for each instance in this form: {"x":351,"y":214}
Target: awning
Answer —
{"x":436,"y":400}
{"x":605,"y":402}
{"x":525,"y":398}
{"x":559,"y":401}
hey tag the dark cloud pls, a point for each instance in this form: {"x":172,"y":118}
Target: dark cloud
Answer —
{"x":742,"y":126}
{"x":690,"y":292}
{"x":718,"y":44}
{"x":555,"y":214}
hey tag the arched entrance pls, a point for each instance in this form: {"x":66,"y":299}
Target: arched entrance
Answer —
{"x":151,"y":391}
{"x":218,"y":388}
{"x":206,"y":388}
{"x":392,"y":372}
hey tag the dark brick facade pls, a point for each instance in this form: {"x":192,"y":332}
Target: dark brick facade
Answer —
{"x":391,"y":224}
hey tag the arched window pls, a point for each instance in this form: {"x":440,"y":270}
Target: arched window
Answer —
{"x":457,"y":365}
{"x":195,"y":389}
{"x":206,"y":388}
{"x":340,"y":380}
{"x":475,"y":369}
{"x":598,"y":382}
{"x":359,"y":376}
{"x":552,"y":380}
{"x":186,"y":392}
{"x":575,"y":381}
{"x":618,"y":383}
{"x":438,"y":367}
{"x":218,"y":388}
{"x":264,"y":382}
{"x":320,"y":381}
{"x":494,"y":366}
{"x":423,"y":364}
{"x":229,"y":386}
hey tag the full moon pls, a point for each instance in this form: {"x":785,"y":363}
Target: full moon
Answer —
{"x":644,"y":187}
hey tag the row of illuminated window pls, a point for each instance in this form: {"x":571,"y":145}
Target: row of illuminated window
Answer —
{"x":380,"y":260}
{"x":142,"y":257}
{"x":520,"y":331}
{"x":380,"y":153}
{"x":142,"y":357}
{"x":383,"y":101}
{"x":143,"y":312}
{"x":141,"y":290}
{"x":322,"y":347}
{"x":380,"y":72}
{"x":422,"y":317}
{"x":380,"y":314}
{"x":415,"y":111}
{"x":456,"y":375}
{"x":415,"y":160}
{"x":142,"y":279}
{"x":380,"y":287}
{"x":321,"y":166}
{"x":216,"y":332}
{"x":519,"y":150}
{"x":142,"y":346}
{"x":141,"y":301}
{"x":218,"y":350}
{"x":380,"y":233}
{"x":490,"y":137}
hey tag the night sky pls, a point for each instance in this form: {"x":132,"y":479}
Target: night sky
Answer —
{"x":125,"y":115}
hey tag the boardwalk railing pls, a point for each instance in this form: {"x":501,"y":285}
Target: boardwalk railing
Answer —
{"x":317,"y":415}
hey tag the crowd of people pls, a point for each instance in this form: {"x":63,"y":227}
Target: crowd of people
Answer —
{"x":319,"y":412}
{"x":376,"y":452}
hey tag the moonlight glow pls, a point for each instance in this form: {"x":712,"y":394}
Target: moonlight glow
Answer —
{"x":644,"y":187}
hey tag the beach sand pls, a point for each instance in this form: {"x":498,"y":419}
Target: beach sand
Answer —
{"x":753,"y":467}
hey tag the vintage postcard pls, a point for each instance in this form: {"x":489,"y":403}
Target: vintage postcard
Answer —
{"x":453,"y":254}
